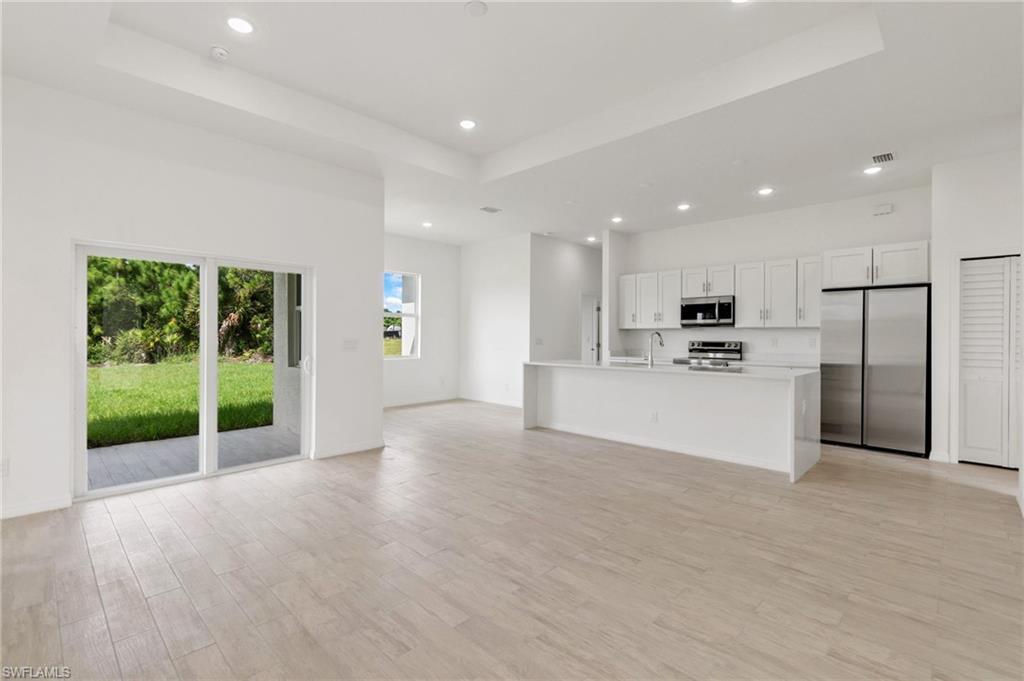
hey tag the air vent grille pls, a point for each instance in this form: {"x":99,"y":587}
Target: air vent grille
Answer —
{"x":490,"y":209}
{"x":883,"y":158}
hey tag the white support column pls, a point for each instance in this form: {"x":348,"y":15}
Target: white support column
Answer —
{"x":208,"y":367}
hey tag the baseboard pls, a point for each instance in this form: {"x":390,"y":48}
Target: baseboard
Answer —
{"x":36,"y":506}
{"x":941,"y":457}
{"x":652,"y":443}
{"x":352,"y":448}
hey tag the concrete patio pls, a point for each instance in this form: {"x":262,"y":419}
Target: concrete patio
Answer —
{"x":141,"y":461}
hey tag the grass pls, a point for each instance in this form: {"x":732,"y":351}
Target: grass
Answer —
{"x":141,"y":402}
{"x":392,"y":347}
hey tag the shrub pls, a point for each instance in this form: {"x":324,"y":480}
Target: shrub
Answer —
{"x":133,"y":346}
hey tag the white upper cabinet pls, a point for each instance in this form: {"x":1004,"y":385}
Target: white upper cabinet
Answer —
{"x":670,"y":291}
{"x":846,"y":267}
{"x":905,"y":263}
{"x":901,"y":263}
{"x":749,"y":311}
{"x":708,"y":281}
{"x":780,"y":293}
{"x":695,"y":282}
{"x":808,"y":292}
{"x":627,"y":301}
{"x":648,"y":302}
{"x":721,"y":281}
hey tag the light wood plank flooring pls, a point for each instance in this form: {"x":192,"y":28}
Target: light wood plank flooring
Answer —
{"x":469,"y":548}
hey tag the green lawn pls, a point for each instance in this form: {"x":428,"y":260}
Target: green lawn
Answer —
{"x":392,"y":347}
{"x":139,"y":402}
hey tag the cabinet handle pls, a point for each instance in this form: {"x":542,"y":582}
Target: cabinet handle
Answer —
{"x":876,"y":271}
{"x":799,"y":313}
{"x":867,"y":273}
{"x":760,"y":314}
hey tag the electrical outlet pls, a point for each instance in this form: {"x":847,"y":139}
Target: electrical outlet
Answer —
{"x":539,"y":341}
{"x":812,"y":342}
{"x":775,"y":342}
{"x":654,"y":417}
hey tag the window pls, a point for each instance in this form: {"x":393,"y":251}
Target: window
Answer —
{"x":401,"y":315}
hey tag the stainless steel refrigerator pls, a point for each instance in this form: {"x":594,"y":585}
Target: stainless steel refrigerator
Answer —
{"x":875,"y":368}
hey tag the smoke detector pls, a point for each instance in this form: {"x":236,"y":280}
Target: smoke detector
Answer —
{"x":218,"y":53}
{"x":476,"y":8}
{"x":490,"y":209}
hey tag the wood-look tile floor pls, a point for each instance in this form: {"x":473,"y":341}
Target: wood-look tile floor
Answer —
{"x":469,"y":548}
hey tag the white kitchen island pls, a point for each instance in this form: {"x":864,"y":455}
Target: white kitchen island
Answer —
{"x":767,"y":417}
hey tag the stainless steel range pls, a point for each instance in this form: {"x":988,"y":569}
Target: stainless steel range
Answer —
{"x":710,"y":355}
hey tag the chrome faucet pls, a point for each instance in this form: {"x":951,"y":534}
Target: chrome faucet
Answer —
{"x":650,"y":353}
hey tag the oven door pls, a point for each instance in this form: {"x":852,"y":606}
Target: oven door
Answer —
{"x":698,"y":312}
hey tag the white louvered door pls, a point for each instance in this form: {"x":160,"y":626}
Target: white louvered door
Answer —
{"x":1017,"y":363}
{"x":989,"y":360}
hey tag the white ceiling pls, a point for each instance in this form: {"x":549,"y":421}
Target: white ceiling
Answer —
{"x":521,"y":69}
{"x":585,"y":110}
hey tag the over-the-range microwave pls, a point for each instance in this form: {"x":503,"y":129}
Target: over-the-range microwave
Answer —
{"x":709,"y":311}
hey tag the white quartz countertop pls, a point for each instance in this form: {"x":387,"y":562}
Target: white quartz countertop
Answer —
{"x":746,"y":371}
{"x":796,"y":362}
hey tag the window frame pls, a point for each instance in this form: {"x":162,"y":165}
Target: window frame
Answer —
{"x":416,"y":316}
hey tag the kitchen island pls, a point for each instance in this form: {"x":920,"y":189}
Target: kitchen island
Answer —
{"x":767,"y":417}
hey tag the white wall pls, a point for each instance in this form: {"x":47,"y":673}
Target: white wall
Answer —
{"x":803,"y":231}
{"x":560,"y":273}
{"x":435,"y":374}
{"x":494,"y":313}
{"x":75,"y":169}
{"x":976,"y":211}
{"x":614,"y":250}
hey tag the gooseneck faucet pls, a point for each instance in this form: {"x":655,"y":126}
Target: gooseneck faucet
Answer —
{"x":650,"y":352}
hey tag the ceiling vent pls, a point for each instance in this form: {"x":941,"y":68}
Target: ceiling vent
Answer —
{"x":490,"y":209}
{"x":883,"y":158}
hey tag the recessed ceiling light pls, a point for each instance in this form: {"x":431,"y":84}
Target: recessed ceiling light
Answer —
{"x":428,"y":225}
{"x":683,"y":206}
{"x":467,"y":124}
{"x":617,"y":219}
{"x":765,"y":191}
{"x":591,"y":239}
{"x":873,"y":170}
{"x":240,"y":25}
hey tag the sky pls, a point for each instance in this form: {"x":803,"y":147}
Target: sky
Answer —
{"x":392,"y":291}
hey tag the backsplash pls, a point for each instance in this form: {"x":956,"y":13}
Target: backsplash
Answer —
{"x":785,"y":345}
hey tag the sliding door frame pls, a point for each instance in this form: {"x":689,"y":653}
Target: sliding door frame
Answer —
{"x":209,"y":268}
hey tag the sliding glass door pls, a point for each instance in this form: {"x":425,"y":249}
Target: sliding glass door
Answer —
{"x":187,"y":366}
{"x":259,"y":365}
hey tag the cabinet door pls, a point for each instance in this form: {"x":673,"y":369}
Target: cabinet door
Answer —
{"x":848,"y":267}
{"x":808,"y":292}
{"x":721,"y":281}
{"x":695,"y":282}
{"x":750,"y":294}
{"x":901,"y":263}
{"x":627,"y":301}
{"x":648,"y":303}
{"x":780,"y":293}
{"x":670,"y":292}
